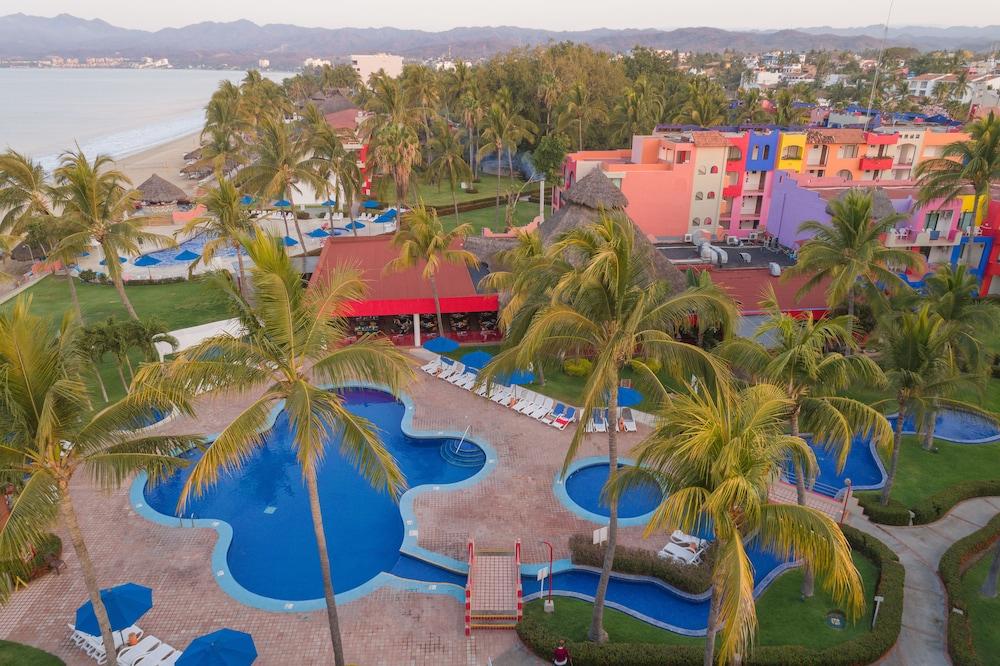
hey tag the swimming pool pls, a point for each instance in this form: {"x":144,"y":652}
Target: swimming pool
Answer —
{"x":196,"y":244}
{"x":863,"y":467}
{"x":585,"y":484}
{"x":272,"y":553}
{"x":958,"y":426}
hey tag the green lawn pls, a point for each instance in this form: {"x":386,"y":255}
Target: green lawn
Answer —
{"x":179,"y":305}
{"x":983,"y":613}
{"x":482,"y":218}
{"x":16,"y":654}
{"x":784,"y":618}
{"x":438,"y":195}
{"x":922,"y":473}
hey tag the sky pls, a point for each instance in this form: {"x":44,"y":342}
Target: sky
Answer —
{"x":550,"y":14}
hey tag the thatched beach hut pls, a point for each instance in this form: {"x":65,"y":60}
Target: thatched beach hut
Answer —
{"x":159,"y":191}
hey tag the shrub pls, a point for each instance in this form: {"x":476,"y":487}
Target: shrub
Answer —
{"x":643,"y":562}
{"x":931,"y":508}
{"x":577,"y":367}
{"x":302,"y":215}
{"x":893,"y":513}
{"x":953,"y":564}
{"x":35,"y":567}
{"x":145,"y":282}
{"x":863,"y":650}
{"x":87,"y":275}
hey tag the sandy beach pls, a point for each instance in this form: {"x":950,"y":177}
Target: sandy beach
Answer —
{"x":165,"y":160}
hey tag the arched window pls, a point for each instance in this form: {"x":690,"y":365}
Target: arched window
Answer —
{"x":708,"y":222}
{"x":714,"y":169}
{"x":767,"y":151}
{"x":711,"y":195}
{"x":698,"y":196}
{"x":845,"y":174}
{"x":702,"y":171}
{"x":696,"y":222}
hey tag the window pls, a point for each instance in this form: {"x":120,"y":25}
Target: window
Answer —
{"x":696,"y":222}
{"x":683,"y":156}
{"x":767,"y":152}
{"x":698,"y":196}
{"x":734,"y":153}
{"x":965,"y":223}
{"x":714,"y":169}
{"x":711,"y":195}
{"x":845,"y":174}
{"x":937,"y":221}
{"x":702,"y":170}
{"x":708,"y":221}
{"x":849,"y":151}
{"x":755,"y":153}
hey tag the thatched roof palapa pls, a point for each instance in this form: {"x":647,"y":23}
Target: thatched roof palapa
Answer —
{"x":193,"y":155}
{"x":157,"y":190}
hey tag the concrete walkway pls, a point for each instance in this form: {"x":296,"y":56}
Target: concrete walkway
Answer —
{"x":923,"y":638}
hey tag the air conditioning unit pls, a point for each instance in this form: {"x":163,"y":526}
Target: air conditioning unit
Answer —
{"x":733,"y":240}
{"x":752,"y":236}
{"x":688,"y":238}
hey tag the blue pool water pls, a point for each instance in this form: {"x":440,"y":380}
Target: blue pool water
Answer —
{"x":960,"y":427}
{"x":273,"y":550}
{"x":861,"y":468}
{"x":584,"y":487}
{"x":194,"y":244}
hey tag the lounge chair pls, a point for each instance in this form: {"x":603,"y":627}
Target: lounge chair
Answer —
{"x":684,"y":554}
{"x":556,"y":412}
{"x":502,"y":394}
{"x":468,"y":380}
{"x":130,"y":655}
{"x":544,"y":408}
{"x":568,"y":417}
{"x":598,"y":423}
{"x":530,"y":402}
{"x":683,"y":539}
{"x":172,"y":659}
{"x":457,"y":374}
{"x":628,"y":420}
{"x":433,"y":366}
{"x":156,"y":656}
{"x":448,"y":368}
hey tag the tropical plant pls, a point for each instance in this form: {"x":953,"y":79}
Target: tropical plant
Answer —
{"x":294,"y":345}
{"x":581,"y":109}
{"x":705,"y":105}
{"x":52,"y":434}
{"x":973,"y":164}
{"x":335,"y":162}
{"x":786,"y":113}
{"x":96,"y":201}
{"x":473,"y":109}
{"x":797,"y":357}
{"x":448,"y":163}
{"x":715,"y":453}
{"x":504,"y":129}
{"x":24,"y":192}
{"x":749,"y":109}
{"x":423,"y":241}
{"x":848,"y":253}
{"x":610,"y":304}
{"x":638,"y":110}
{"x":227,"y":221}
{"x":951,"y":292}
{"x":395,"y":149}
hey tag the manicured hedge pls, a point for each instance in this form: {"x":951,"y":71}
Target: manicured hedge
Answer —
{"x":953,"y":564}
{"x":864,"y":650}
{"x":928,"y":509}
{"x":643,"y":562}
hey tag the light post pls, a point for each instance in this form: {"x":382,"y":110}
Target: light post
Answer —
{"x":549,"y":605}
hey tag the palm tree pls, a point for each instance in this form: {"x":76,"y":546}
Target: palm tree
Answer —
{"x":917,"y":351}
{"x":749,"y":110}
{"x":611,"y":305}
{"x":423,"y":241}
{"x":144,"y":335}
{"x":582,"y":109}
{"x":227,"y":221}
{"x":786,"y":114}
{"x":93,"y":345}
{"x":448,"y":161}
{"x":848,"y":252}
{"x":421,"y":92}
{"x":973,"y":164}
{"x":473,"y":110}
{"x":295,"y":343}
{"x":705,"y":105}
{"x":24,"y":193}
{"x":395,"y":149}
{"x":493,"y":141}
{"x":797,"y":358}
{"x":339,"y":164}
{"x":53,"y":434}
{"x":716,"y":453}
{"x":504,"y":129}
{"x":549,"y":91}
{"x":639,"y":109}
{"x":282,"y":163}
{"x":224,"y":150}
{"x":96,"y":201}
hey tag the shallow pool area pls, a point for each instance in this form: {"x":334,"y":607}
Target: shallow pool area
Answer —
{"x":862,"y":467}
{"x":958,"y":426}
{"x":272,"y":552}
{"x":585,"y":484}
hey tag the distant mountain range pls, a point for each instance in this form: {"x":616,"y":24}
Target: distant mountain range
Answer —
{"x":241,"y":43}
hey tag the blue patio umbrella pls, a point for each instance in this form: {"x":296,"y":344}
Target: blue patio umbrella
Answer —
{"x":354,"y":224}
{"x":125,"y":604}
{"x":225,"y":647}
{"x":289,"y":241}
{"x":329,"y":203}
{"x":282,"y":203}
{"x":187,"y":255}
{"x":104,"y":262}
{"x":146,"y":260}
{"x":337,"y":232}
{"x":371,"y":204}
{"x":84,"y":254}
{"x":387,"y":216}
{"x":628,"y":397}
{"x":517,"y":377}
{"x":477,"y":359}
{"x":440,"y":345}
{"x":318,"y":233}
{"x":246,"y":200}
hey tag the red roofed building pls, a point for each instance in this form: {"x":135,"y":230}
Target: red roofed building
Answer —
{"x":748,"y":286}
{"x":401,"y":302}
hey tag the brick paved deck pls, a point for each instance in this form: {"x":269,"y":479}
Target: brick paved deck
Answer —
{"x":387,"y":627}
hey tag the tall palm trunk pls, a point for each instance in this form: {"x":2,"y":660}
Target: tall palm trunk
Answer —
{"x":121,"y":375}
{"x":897,"y":443}
{"x":454,"y":201}
{"x":579,"y":123}
{"x":437,"y":305}
{"x":298,"y":230}
{"x":496,"y":217}
{"x":73,"y":295}
{"x":713,"y":623}
{"x":930,"y":424}
{"x":87,"y":568}
{"x":100,"y":383}
{"x":324,"y":565}
{"x":242,"y":268}
{"x":989,"y":588}
{"x":596,"y":632}
{"x":808,"y":578}
{"x":972,"y":229}
{"x":850,"y":317}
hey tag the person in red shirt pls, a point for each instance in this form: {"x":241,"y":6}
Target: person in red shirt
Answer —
{"x":560,"y":656}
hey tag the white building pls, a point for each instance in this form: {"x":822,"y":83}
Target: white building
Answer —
{"x":314,"y":62}
{"x":263,"y":63}
{"x":366,"y":65}
{"x":979,"y":86}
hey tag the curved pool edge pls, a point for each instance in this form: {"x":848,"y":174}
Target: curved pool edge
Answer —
{"x":559,"y":490}
{"x":873,"y":450}
{"x":969,"y":442}
{"x":220,"y":565}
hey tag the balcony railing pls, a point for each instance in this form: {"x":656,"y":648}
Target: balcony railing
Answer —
{"x":907,"y":237}
{"x":876,"y":163}
{"x":731,"y":190}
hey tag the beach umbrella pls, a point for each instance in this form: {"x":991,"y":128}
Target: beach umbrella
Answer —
{"x":246,"y":200}
{"x":329,"y":203}
{"x":125,"y":604}
{"x":104,"y":262}
{"x":371,"y":204}
{"x":84,"y":254}
{"x":517,"y":377}
{"x":225,"y":647}
{"x":386,"y":216}
{"x":440,"y":345}
{"x":187,"y":255}
{"x":282,"y":203}
{"x":477,"y":359}
{"x":628,"y":397}
{"x":146,"y":260}
{"x":354,"y":224}
{"x":337,"y":232}
{"x":289,"y":241}
{"x":318,"y":233}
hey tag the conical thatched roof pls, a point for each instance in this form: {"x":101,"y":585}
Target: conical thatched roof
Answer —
{"x":157,"y":190}
{"x":193,"y":155}
{"x":595,"y":190}
{"x":486,"y":248}
{"x":881,"y":203}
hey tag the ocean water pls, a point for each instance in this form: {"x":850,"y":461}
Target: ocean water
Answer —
{"x":113,"y":111}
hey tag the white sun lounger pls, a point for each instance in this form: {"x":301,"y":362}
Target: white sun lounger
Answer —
{"x":684,"y":539}
{"x":597,"y":422}
{"x":628,"y":420}
{"x":156,"y":656}
{"x":432,"y":367}
{"x":542,"y":409}
{"x":682,"y":554}
{"x":467,"y":381}
{"x":130,"y":655}
{"x":447,"y":369}
{"x":506,"y":395}
{"x":458,"y":375}
{"x":528,"y":402}
{"x":172,"y":659}
{"x":554,"y":414}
